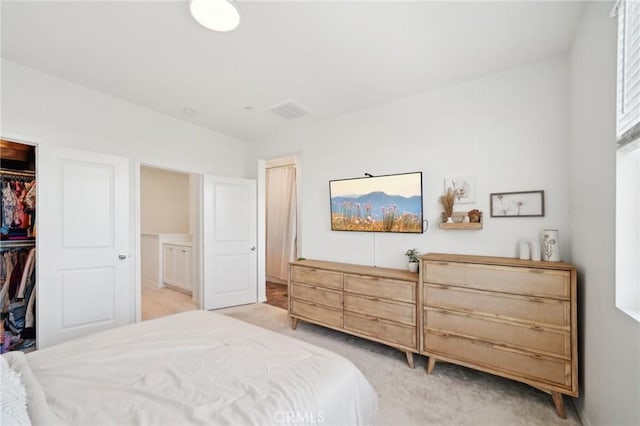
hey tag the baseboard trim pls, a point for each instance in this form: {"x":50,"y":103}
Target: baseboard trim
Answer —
{"x":582,"y":415}
{"x":150,"y":283}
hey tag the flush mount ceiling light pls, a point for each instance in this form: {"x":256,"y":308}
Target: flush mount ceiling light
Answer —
{"x":216,"y":15}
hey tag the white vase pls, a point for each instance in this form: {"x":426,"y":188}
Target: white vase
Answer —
{"x":449,"y":220}
{"x":550,"y":245}
{"x":534,"y":248}
{"x":413,"y":266}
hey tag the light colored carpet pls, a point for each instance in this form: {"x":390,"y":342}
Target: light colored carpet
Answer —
{"x":452,"y":395}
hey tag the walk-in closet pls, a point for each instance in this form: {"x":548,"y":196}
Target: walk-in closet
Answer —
{"x":17,"y":246}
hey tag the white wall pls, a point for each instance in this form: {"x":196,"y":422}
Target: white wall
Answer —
{"x":164,"y":201}
{"x":41,"y":108}
{"x":509,"y":130}
{"x":609,"y":339}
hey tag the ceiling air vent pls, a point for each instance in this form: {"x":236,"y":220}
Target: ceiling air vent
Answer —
{"x":289,"y":110}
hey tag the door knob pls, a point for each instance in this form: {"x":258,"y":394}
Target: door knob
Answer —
{"x":253,"y":248}
{"x":122,"y":256}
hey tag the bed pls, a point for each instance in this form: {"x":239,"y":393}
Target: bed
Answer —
{"x":195,"y":367}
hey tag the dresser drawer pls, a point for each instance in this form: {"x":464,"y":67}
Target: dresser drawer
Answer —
{"x":502,"y":360}
{"x":403,"y":291}
{"x":316,"y":313}
{"x":388,"y":331}
{"x":315,"y":294}
{"x":533,"y":309}
{"x":380,"y":308}
{"x":316,"y":276}
{"x":530,"y":338}
{"x":526,"y":281}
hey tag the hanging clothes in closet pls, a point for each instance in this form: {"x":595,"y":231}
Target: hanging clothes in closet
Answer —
{"x":18,"y":298}
{"x":18,"y":207}
{"x":17,"y":246}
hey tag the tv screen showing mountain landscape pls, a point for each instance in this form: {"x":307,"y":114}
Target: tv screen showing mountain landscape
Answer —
{"x":390,"y":203}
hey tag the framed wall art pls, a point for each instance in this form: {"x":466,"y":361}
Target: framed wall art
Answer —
{"x":517,"y":204}
{"x":464,"y":188}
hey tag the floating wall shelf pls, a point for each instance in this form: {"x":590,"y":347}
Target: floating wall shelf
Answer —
{"x":458,"y":223}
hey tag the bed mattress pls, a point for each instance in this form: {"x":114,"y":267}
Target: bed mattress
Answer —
{"x":195,"y":368}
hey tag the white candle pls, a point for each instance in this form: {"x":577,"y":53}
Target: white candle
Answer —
{"x":535,"y":250}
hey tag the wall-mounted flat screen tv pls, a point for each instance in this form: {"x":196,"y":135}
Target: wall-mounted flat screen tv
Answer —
{"x":390,"y":203}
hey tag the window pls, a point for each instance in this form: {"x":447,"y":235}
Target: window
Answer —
{"x":628,"y":160}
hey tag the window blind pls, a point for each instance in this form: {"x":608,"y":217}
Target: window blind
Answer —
{"x":628,"y":109}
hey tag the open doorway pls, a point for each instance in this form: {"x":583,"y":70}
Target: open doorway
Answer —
{"x":281,"y":227}
{"x":169,"y":203}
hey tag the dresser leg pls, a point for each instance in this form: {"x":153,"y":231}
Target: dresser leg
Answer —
{"x":409,"y":355}
{"x":431,"y":364}
{"x":294,"y":323}
{"x":559,"y":403}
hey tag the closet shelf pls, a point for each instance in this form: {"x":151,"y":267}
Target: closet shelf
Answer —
{"x":17,"y":243}
{"x":24,"y":173}
{"x":15,"y":151}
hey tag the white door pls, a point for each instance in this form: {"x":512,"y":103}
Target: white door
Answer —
{"x":230,"y":256}
{"x":83,"y":231}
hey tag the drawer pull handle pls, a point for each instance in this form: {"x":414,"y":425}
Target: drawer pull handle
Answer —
{"x":369,"y":277}
{"x":536,"y":299}
{"x":536,"y":271}
{"x":536,"y":328}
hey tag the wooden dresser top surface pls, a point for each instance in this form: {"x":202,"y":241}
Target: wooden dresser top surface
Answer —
{"x":494,"y":260}
{"x":396,"y":274}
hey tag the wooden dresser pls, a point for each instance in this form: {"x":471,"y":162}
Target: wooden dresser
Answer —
{"x":510,"y":317}
{"x":378,"y":304}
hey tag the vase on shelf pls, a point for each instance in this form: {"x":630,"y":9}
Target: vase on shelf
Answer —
{"x":534,"y":249}
{"x":413,"y":266}
{"x":550,"y":245}
{"x":449,"y":220}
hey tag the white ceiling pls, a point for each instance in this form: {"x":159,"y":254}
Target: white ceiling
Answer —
{"x":331,"y":57}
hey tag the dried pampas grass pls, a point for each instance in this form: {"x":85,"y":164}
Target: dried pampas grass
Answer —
{"x":448,"y":200}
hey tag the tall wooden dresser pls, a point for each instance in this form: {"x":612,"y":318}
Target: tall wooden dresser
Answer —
{"x":378,"y":304}
{"x":510,"y":317}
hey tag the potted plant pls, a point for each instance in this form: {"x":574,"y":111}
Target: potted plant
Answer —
{"x":414,"y":259}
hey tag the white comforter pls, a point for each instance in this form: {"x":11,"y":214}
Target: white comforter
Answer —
{"x":199,"y":368}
